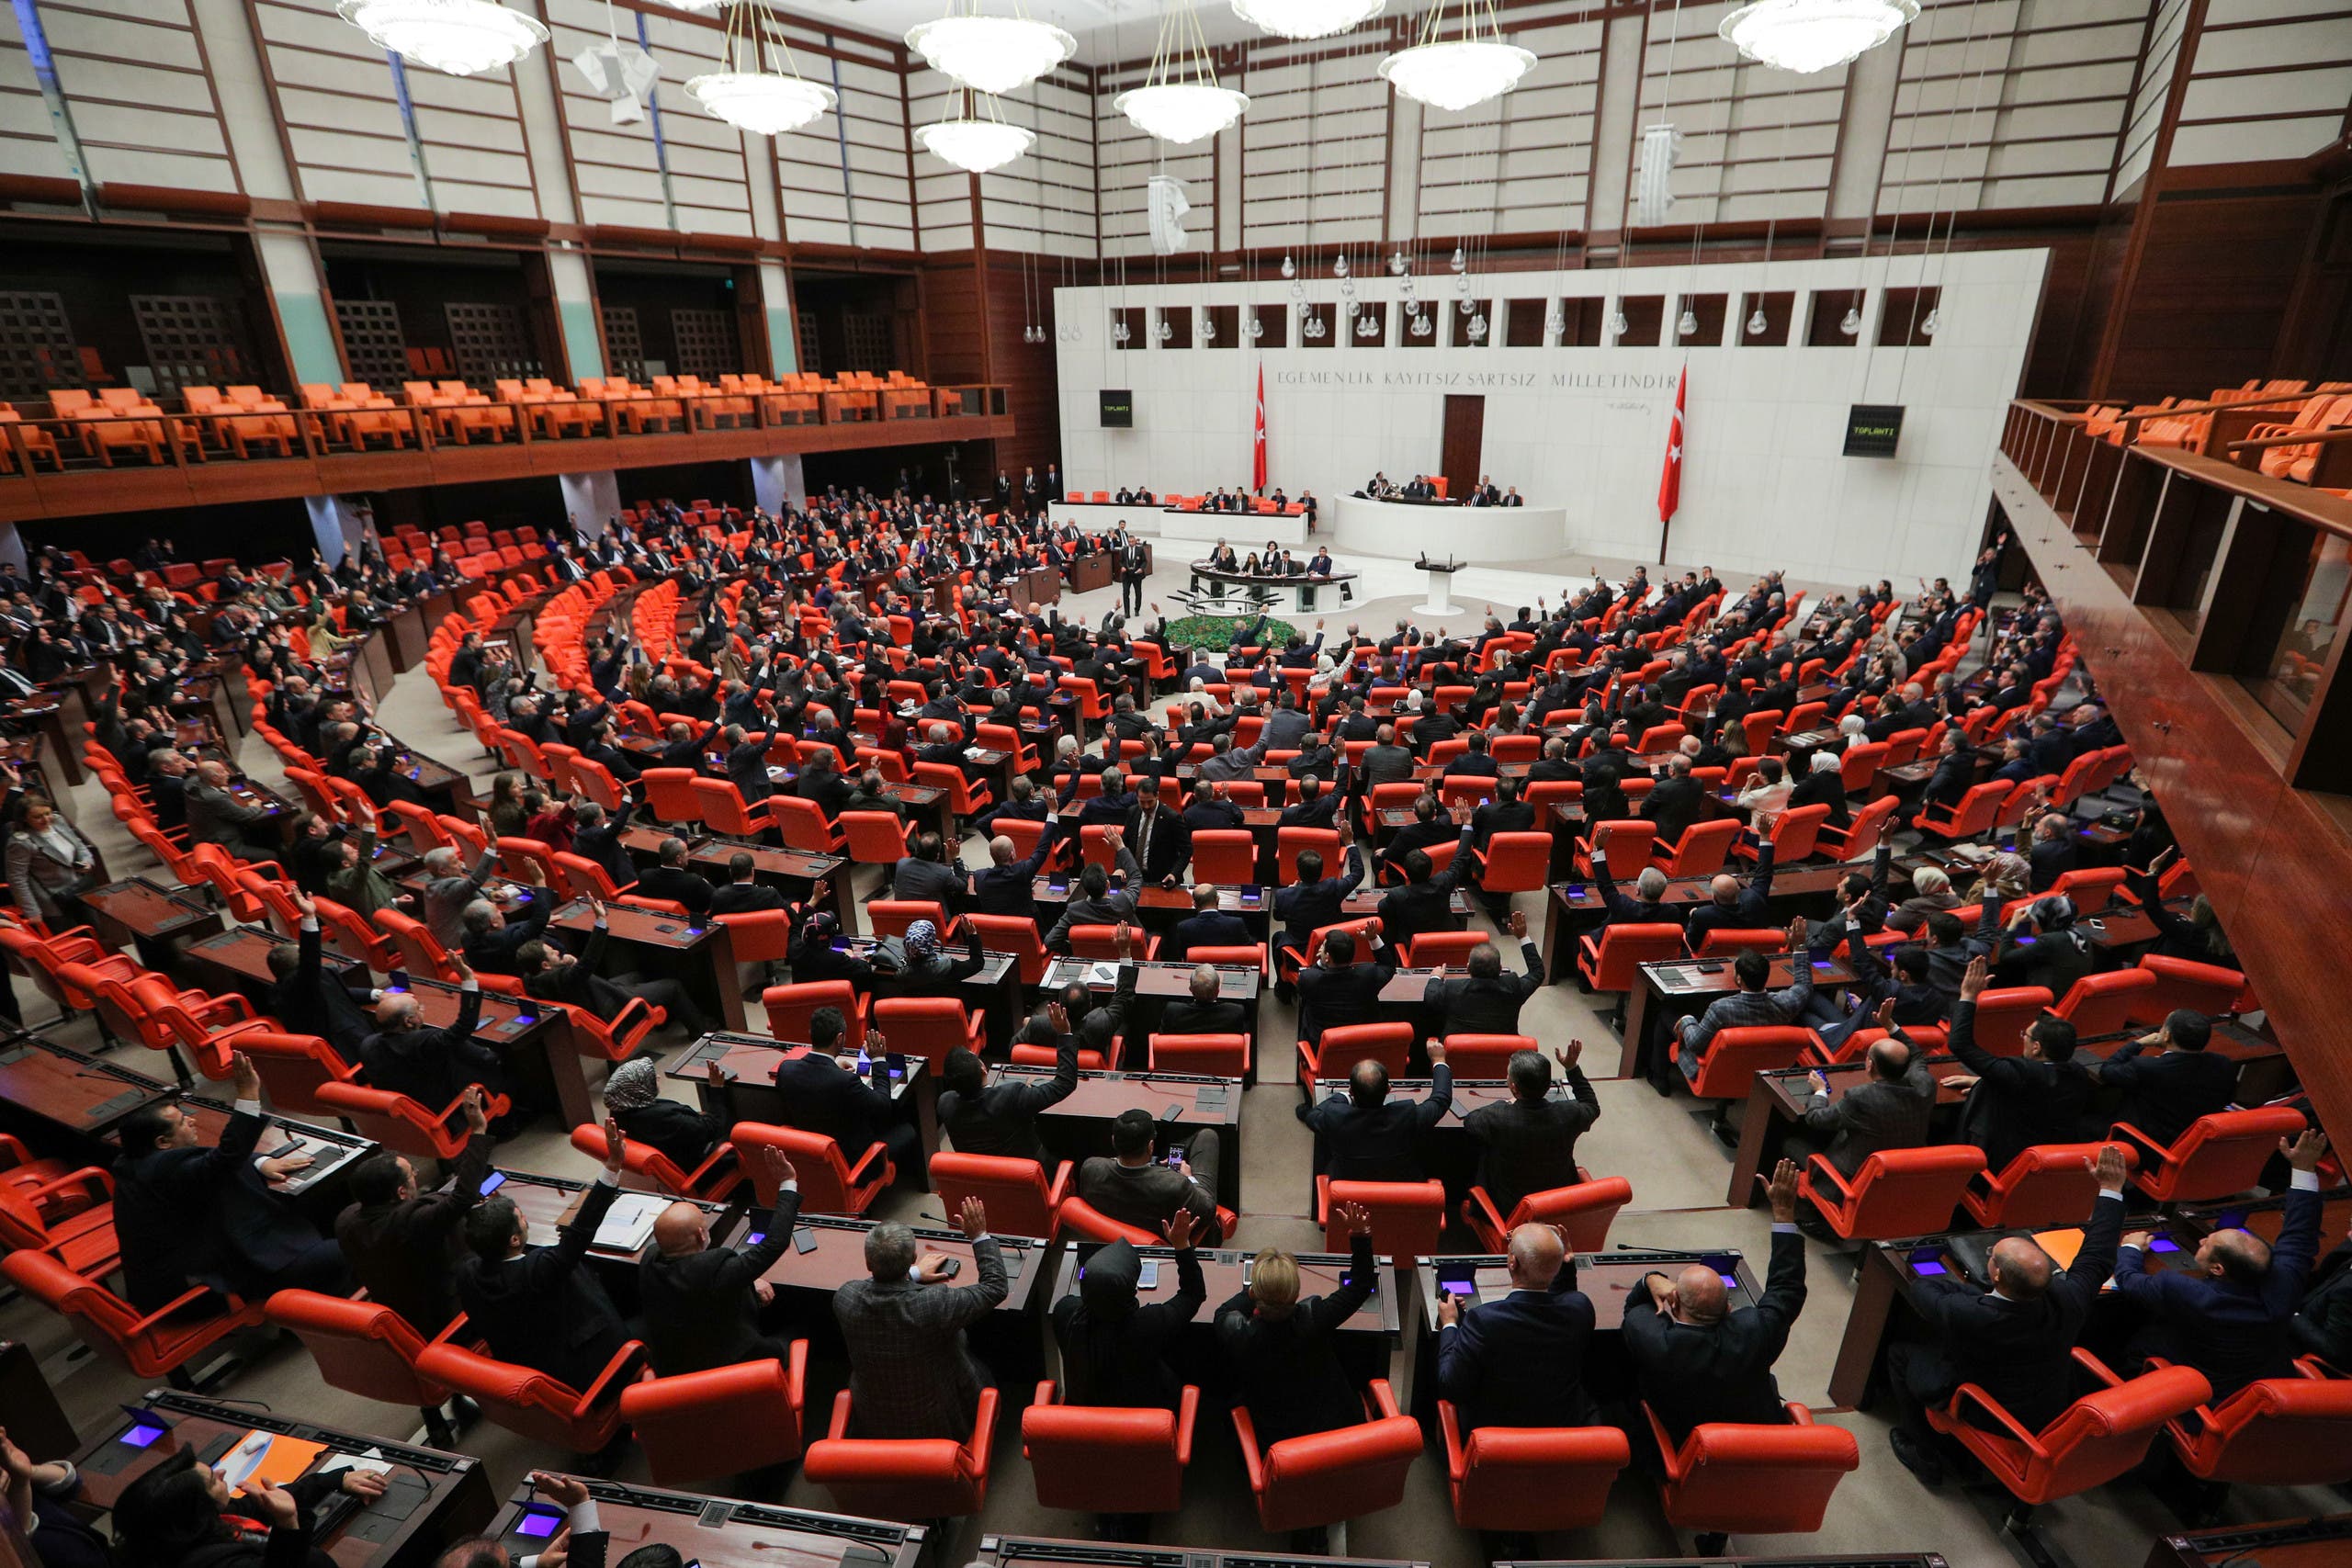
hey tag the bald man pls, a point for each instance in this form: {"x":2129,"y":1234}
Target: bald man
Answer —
{"x":1518,"y":1360}
{"x":2012,"y":1335}
{"x":1695,"y":1359}
{"x":216,"y":817}
{"x":1735,"y":904}
{"x":701,"y":1302}
{"x":431,"y":1065}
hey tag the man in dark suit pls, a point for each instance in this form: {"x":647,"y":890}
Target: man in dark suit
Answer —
{"x":2054,"y":850}
{"x":537,"y":1306}
{"x":1518,"y":1360}
{"x":1008,"y":886}
{"x":1316,"y":901}
{"x":2040,"y":1096}
{"x":1134,"y":1188}
{"x":397,"y":1238}
{"x":1208,"y":811}
{"x":1280,"y":1347}
{"x":674,"y":880}
{"x":743,"y":894}
{"x":1000,"y":1120}
{"x":1157,"y":837}
{"x":1335,"y":989}
{"x":1315,"y":808}
{"x":550,"y":973}
{"x":1955,"y":772}
{"x":1732,"y":905}
{"x":747,"y":761}
{"x":1206,"y":926}
{"x":1201,"y":1011}
{"x":185,"y":1214}
{"x":1528,"y":1143}
{"x":1115,"y":1352}
{"x":1694,"y":1362}
{"x":305,"y":1000}
{"x":431,"y":1065}
{"x":2226,"y":1313}
{"x":822,"y":1095}
{"x":1365,"y":1135}
{"x":2012,"y":1334}
{"x":1425,"y":902}
{"x":2164,"y":1093}
{"x":911,"y":1373}
{"x":701,"y":1304}
{"x":1890,"y":1110}
{"x":491,"y":941}
{"x":1675,"y":801}
{"x":1486,"y":1000}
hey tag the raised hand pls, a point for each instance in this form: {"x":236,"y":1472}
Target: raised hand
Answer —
{"x":1972,"y":983}
{"x":1519,"y":924}
{"x":245,"y":1076}
{"x":616,"y":1147}
{"x":1355,"y":1217}
{"x":1179,"y":1229}
{"x":1782,"y":1192}
{"x":564,"y":1491}
{"x":477,"y":1114}
{"x":974,"y":1218}
{"x":2108,"y":1168}
{"x":1567,"y":1055}
{"x":2304,"y":1153}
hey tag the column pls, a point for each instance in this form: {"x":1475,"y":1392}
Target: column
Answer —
{"x":339,"y":523}
{"x":592,"y":501}
{"x":779,"y":483}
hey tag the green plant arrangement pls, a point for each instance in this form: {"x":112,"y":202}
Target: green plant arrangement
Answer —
{"x":1216,"y":632}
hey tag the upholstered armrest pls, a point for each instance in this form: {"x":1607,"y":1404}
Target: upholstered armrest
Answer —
{"x":1457,"y":1454}
{"x":1969,"y":1394}
{"x":1188,"y":1406}
{"x":629,"y":1357}
{"x":1668,"y":1455}
{"x":89,"y":1178}
{"x":1818,"y":1167}
{"x":796,"y":1375}
{"x":1798,"y":1414}
{"x":2102,"y":1370}
{"x":874,"y":1152}
{"x":982,"y":1446}
{"x":1486,"y":1205}
{"x":196,"y":1292}
{"x":635,"y":1009}
{"x":2162,"y":1152}
{"x":1246,"y":1430}
{"x":1379,"y":1401}
{"x":2317,"y":1367}
{"x":1065,"y":1181}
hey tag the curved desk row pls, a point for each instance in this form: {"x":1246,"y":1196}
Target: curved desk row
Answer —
{"x":1217,"y":591}
{"x":1408,"y":530}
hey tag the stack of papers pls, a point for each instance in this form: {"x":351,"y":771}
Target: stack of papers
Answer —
{"x":628,"y":1224}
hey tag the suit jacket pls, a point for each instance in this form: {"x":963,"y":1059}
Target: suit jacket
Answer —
{"x":745,"y":898}
{"x":679,"y":884}
{"x":400,"y":1253}
{"x":2021,"y":1352}
{"x":1186,"y":1016}
{"x":1168,"y":850}
{"x":1821,"y":789}
{"x":1122,"y":1361}
{"x":541,"y":1308}
{"x":1674,"y":803}
{"x":1329,"y":997}
{"x":1001,"y":1120}
{"x":167,"y":1214}
{"x":1377,"y":1143}
{"x":2017,"y":1103}
{"x":1413,"y":907}
{"x":1212,"y":929}
{"x":1467,"y":1005}
{"x":309,"y":1002}
{"x":1288,"y":1367}
{"x":1530,"y":1145}
{"x":1722,"y":1371}
{"x":1518,"y":1360}
{"x":822,"y":1098}
{"x":684,"y":1136}
{"x":911,"y":1375}
{"x":1303,"y":907}
{"x":1147,"y":1195}
{"x":216,"y":817}
{"x":433,"y":1065}
{"x":2163,"y":1094}
{"x":2233,"y":1332}
{"x":699,"y":1310}
{"x":1875,"y":1115}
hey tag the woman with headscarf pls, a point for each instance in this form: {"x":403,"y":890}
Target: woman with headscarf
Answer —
{"x":2044,"y":945}
{"x":929,"y":971}
{"x":684,"y":1136}
{"x":1115,"y":1352}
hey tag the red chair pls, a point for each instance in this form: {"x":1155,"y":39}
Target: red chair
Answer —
{"x":1221,"y":1055}
{"x":1753,"y":1479}
{"x":1306,"y":1482}
{"x":1613,"y":961}
{"x":1345,"y":1044}
{"x":891,"y":917}
{"x":1623,"y":844}
{"x":1292,"y":842}
{"x":2004,"y":1014}
{"x":1516,"y":862}
{"x":2045,"y":1187}
{"x":965,"y":798}
{"x":70,"y":1217}
{"x":1102,"y":942}
{"x":363,"y":1347}
{"x":2219,"y":1156}
{"x":421,"y":952}
{"x":1226,"y":856}
{"x":1858,"y":766}
{"x":2109,"y":1003}
{"x":723,"y":1421}
{"x":1105,"y":1460}
{"x":156,"y":1344}
{"x":1015,"y":934}
{"x":1896,"y":1192}
{"x":1862,"y":835}
{"x":1584,"y":1210}
{"x":875,"y":838}
{"x":2089,"y":1443}
{"x":670,"y":794}
{"x":404,"y":1125}
{"x":293,"y":1068}
{"x":828,"y":1183}
{"x":930,"y":1027}
{"x":804,"y":825}
{"x":2207,"y":989}
{"x":1795,"y":835}
{"x":1020,"y":1201}
{"x":345,"y":931}
{"x":721,"y":806}
{"x":2092,"y":888}
{"x":2273,"y":1432}
{"x":1699,"y":852}
{"x":1728,"y":1067}
{"x":527,"y":1401}
{"x":577,"y":877}
{"x":1970,"y":818}
{"x":711,"y":1181}
{"x":789,"y":1009}
{"x":1442,"y":949}
{"x":615,"y":1040}
{"x":913,"y":1479}
{"x":1485,"y":1056}
{"x":1725,"y":942}
{"x":1525,"y":1479}
{"x":1407,"y":1217}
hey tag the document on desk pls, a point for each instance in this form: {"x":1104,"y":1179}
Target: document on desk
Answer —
{"x":628,"y":1224}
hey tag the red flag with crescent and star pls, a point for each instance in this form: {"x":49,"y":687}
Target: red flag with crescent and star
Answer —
{"x":1670,"y":483}
{"x":1257,"y":461}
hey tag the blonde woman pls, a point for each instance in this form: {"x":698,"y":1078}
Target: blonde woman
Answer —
{"x":49,"y":866}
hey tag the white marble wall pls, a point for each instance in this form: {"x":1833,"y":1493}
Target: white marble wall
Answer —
{"x":1763,"y":484}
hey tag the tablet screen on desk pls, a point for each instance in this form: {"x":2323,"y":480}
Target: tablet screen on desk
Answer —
{"x":537,"y":1522}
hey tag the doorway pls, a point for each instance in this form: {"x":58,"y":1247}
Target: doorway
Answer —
{"x":1465,"y":430}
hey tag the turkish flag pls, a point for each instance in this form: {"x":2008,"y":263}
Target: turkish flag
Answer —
{"x":1669,"y":483}
{"x":1257,"y":460}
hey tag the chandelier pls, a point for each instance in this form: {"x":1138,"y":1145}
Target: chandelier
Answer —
{"x":1180,"y":100}
{"x":1477,"y":329}
{"x":975,"y":142}
{"x":1805,"y":36}
{"x":1307,"y":18}
{"x":1455,"y":73}
{"x":761,"y":90}
{"x":1256,"y":327}
{"x":700,"y":8}
{"x":463,"y":37}
{"x":1208,"y":327}
{"x":995,"y":54}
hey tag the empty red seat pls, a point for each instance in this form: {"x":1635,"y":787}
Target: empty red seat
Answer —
{"x":1530,"y":1478}
{"x":1306,"y":1482}
{"x":2089,"y":1443}
{"x":913,"y":1479}
{"x":1754,"y":1479}
{"x":1103,"y":1460}
{"x":722,"y":1421}
{"x":1895,"y":1192}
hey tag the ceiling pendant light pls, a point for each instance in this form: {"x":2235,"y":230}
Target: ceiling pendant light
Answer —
{"x":1119,"y":331}
{"x":464,"y":38}
{"x":1397,"y":263}
{"x":1256,"y":328}
{"x":1314,"y":327}
{"x":1805,"y":36}
{"x":1556,"y":321}
{"x":1180,"y":100}
{"x":1167,"y":328}
{"x":1851,"y":322}
{"x":1456,"y":72}
{"x":993,"y":55}
{"x":699,"y":7}
{"x":1934,"y":320}
{"x":1468,"y":307}
{"x":1340,"y":265}
{"x":1420,"y":325}
{"x":1461,"y":263}
{"x":1208,"y":329}
{"x":761,"y":90}
{"x":1290,"y":268}
{"x":1478,"y":329}
{"x":1759,"y":324}
{"x":975,"y":142}
{"x":1688,"y":325}
{"x":1618,"y":325}
{"x":1307,"y":18}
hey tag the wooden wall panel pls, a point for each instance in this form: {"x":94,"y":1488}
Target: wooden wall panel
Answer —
{"x":2206,"y":305}
{"x":1025,"y":371}
{"x":143,"y":101}
{"x":955,"y":323}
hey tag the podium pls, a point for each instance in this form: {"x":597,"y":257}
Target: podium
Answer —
{"x":1441,"y":576}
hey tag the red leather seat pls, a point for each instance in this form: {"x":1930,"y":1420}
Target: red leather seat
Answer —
{"x":1228,"y":856}
{"x":1101,"y":943}
{"x":2219,"y":1156}
{"x":891,"y":917}
{"x":2207,"y":989}
{"x":1407,"y":1217}
{"x":1222,"y":1055}
{"x":2273,"y":1432}
{"x":1018,"y":1199}
{"x":1088,"y":1223}
{"x":670,"y":794}
{"x":362,"y":1348}
{"x":1584,"y":1210}
{"x":1896,"y":1192}
{"x":930,"y":1027}
{"x":525,"y":1400}
{"x":1795,"y":834}
{"x":723,"y":1421}
{"x":1530,"y":1478}
{"x":1699,"y":852}
{"x":1015,"y":934}
{"x":153,"y":1345}
{"x":912,"y":1479}
{"x":2109,"y":1003}
{"x":1862,"y":834}
{"x":2047,"y":1186}
{"x":789,"y":1009}
{"x":1624,"y":843}
{"x":1103,"y":1460}
{"x":1345,"y":1044}
{"x":1614,"y":962}
{"x":1515,"y":863}
{"x":2089,"y":1443}
{"x":1321,"y":1479}
{"x":1444,"y":950}
{"x":875,"y":838}
{"x":1485,"y":1056}
{"x":711,"y":1181}
{"x":828,"y":1183}
{"x":1972,"y":817}
{"x":1753,"y":1479}
{"x":404,"y":1125}
{"x":2003,"y":1015}
{"x":1726,"y":941}
{"x":1728,"y":1067}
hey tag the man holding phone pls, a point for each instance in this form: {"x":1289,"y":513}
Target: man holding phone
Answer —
{"x":1134,"y":1189}
{"x":701,"y":1304}
{"x":911,"y":1373}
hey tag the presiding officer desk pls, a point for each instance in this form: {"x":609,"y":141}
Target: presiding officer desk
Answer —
{"x":431,"y":1498}
{"x":718,"y":1532}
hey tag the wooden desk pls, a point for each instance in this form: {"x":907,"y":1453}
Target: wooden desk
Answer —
{"x":60,"y":754}
{"x":1447,"y":1151}
{"x":448,"y":790}
{"x":652,"y":945}
{"x":46,"y":1085}
{"x":141,"y":914}
{"x":431,"y":1500}
{"x":1078,"y":1128}
{"x":1226,"y":1269}
{"x":719,"y":1532}
{"x":1085,"y":573}
{"x":839,"y":1257}
{"x":790,"y":872}
{"x":1573,"y":907}
{"x":2263,"y":1216}
{"x":749,"y":1061}
{"x":1159,"y":979}
{"x":547,"y":1202}
{"x":1038,"y":1552}
{"x":2295,"y":1543}
{"x":1669,"y":990}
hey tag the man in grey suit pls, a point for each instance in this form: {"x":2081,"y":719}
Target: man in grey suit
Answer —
{"x":1231,"y":762}
{"x":216,"y":817}
{"x":1385,"y":762}
{"x":1134,"y":1189}
{"x":450,"y":889}
{"x":911,"y":1375}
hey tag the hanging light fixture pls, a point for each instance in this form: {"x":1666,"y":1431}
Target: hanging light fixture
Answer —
{"x":1455,"y":73}
{"x":1469,"y":307}
{"x":1934,"y":318}
{"x":1758,"y":323}
{"x":1688,"y":323}
{"x":1368,"y":325}
{"x":464,"y":38}
{"x":994,"y":55}
{"x":1307,"y":18}
{"x":1314,"y":327}
{"x":1180,"y":100}
{"x":1119,"y":331}
{"x":1167,"y":328}
{"x":1420,"y":325}
{"x":1397,"y":263}
{"x":1461,"y":262}
{"x":1851,"y":322}
{"x":1256,"y":328}
{"x":699,"y":7}
{"x":1339,"y":265}
{"x":761,"y":90}
{"x":975,"y":143}
{"x":1556,"y":321}
{"x":1290,"y":268}
{"x":1805,"y":36}
{"x":1618,"y":325}
{"x":1208,"y":327}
